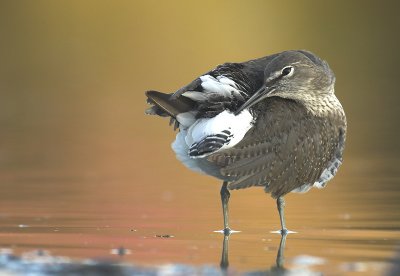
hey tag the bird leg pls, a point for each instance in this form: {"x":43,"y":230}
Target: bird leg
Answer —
{"x":225,"y":199}
{"x":280,"y":202}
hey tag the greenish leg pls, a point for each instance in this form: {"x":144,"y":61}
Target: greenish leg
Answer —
{"x":280,"y":202}
{"x":225,"y":195}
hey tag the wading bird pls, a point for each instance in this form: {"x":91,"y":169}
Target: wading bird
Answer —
{"x":273,"y":122}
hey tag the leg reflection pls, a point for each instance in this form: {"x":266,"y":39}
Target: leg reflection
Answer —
{"x":225,"y":248}
{"x":280,"y":258}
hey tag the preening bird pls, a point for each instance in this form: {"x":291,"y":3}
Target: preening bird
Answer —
{"x":273,"y":122}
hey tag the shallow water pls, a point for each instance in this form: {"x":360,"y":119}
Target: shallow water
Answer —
{"x":351,"y":226}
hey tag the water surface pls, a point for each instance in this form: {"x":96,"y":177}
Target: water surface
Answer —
{"x":170,"y":218}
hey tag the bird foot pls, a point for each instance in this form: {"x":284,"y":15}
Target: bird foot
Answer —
{"x":227,"y":231}
{"x":283,"y":232}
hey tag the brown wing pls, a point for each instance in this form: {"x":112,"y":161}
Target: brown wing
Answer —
{"x":285,"y":149}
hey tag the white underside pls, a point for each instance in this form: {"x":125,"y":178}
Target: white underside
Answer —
{"x":237,"y":125}
{"x":326,"y":175}
{"x":193,"y":130}
{"x":181,"y":149}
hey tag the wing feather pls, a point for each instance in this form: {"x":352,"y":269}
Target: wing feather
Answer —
{"x":285,"y":150}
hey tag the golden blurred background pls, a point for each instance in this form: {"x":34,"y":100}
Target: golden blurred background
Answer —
{"x":73,"y":76}
{"x":73,"y":73}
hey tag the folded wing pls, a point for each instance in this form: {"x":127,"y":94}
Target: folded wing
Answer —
{"x":286,"y":155}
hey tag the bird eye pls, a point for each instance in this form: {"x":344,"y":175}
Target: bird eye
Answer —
{"x":287,"y":70}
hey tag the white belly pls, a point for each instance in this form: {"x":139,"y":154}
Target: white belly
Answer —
{"x":237,"y":125}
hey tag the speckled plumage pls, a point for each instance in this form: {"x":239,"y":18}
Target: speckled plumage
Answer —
{"x":295,"y":139}
{"x":287,"y":147}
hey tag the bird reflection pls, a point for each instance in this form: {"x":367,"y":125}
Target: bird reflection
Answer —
{"x":277,"y":269}
{"x":225,"y":248}
{"x":280,"y":258}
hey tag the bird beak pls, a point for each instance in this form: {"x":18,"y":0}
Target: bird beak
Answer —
{"x":261,"y":94}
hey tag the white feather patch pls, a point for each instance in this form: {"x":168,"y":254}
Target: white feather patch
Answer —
{"x":220,"y":85}
{"x":196,"y":96}
{"x":227,"y":81}
{"x":180,"y":148}
{"x":328,"y":174}
{"x":186,"y":119}
{"x":237,"y":125}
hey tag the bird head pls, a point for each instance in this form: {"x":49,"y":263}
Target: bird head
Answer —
{"x":294,"y":75}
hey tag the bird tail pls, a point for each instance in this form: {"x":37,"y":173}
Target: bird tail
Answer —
{"x":164,"y":104}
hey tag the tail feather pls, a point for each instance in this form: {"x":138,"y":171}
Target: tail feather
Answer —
{"x":164,"y":103}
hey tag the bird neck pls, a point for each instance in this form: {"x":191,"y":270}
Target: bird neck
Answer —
{"x":323,"y":105}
